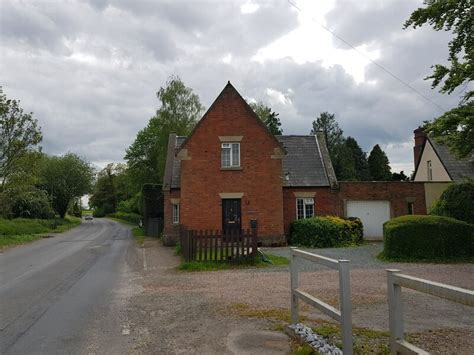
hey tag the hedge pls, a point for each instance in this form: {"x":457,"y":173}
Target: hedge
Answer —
{"x":326,"y":232}
{"x":428,"y":238}
{"x":129,"y":217}
{"x":457,"y":201}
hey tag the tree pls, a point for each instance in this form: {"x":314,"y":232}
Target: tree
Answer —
{"x":379,"y":167}
{"x":456,"y":16}
{"x":455,"y":129}
{"x":326,"y":122}
{"x":19,"y":134}
{"x":400,"y":176}
{"x":104,"y":196}
{"x":267,"y":116}
{"x":343,"y":164}
{"x":359,"y":158}
{"x":180,"y":110}
{"x":65,"y":178}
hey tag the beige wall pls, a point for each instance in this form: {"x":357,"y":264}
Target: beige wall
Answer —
{"x":433,"y":191}
{"x":439,"y":172}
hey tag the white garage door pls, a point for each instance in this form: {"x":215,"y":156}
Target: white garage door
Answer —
{"x":373,"y":214}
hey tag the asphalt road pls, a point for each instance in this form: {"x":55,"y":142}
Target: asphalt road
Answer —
{"x":56,"y":293}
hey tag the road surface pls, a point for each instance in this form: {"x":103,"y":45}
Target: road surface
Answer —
{"x":57,"y":295}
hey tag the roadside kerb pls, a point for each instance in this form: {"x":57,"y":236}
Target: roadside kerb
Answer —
{"x":344,"y":315}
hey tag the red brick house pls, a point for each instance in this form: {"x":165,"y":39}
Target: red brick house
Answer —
{"x":231,"y":170}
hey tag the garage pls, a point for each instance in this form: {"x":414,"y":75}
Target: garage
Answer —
{"x":373,"y":214}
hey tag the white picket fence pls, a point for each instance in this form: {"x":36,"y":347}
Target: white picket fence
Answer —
{"x":395,"y":282}
{"x":344,"y":316}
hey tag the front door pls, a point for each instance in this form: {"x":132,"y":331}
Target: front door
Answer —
{"x":231,"y":222}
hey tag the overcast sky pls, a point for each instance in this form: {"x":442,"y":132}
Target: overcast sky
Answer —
{"x":89,"y":70}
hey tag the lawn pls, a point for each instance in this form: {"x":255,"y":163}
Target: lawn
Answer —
{"x":21,"y":230}
{"x":273,"y":261}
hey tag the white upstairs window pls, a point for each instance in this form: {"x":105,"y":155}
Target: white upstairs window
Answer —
{"x":230,"y":155}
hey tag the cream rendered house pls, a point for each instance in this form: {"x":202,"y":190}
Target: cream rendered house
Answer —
{"x":438,"y":167}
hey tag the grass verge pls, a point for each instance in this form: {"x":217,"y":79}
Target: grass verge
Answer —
{"x":20,"y":231}
{"x":139,"y":235}
{"x":219,"y":265}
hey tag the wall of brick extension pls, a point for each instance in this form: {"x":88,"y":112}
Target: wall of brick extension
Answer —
{"x":170,"y":230}
{"x":333,"y":201}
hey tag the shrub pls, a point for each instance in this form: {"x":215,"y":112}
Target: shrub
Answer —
{"x":325,"y":232}
{"x":427,"y":238}
{"x":22,"y":226}
{"x":129,"y":217}
{"x":457,"y":201}
{"x":26,"y":203}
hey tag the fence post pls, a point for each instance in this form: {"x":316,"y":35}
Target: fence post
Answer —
{"x":254,"y":240}
{"x":395,"y":309}
{"x":189,"y":246}
{"x":346,"y":306}
{"x":293,"y":286}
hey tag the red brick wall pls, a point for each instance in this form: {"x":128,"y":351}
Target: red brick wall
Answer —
{"x":170,"y":230}
{"x":332,"y":202}
{"x":260,"y":178}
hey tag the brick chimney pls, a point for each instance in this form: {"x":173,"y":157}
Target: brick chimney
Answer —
{"x":420,"y":138}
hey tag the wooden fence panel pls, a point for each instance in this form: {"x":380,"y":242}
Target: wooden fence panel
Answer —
{"x":213,"y":245}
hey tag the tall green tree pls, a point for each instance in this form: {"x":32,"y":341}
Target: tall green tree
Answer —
{"x":19,"y":135}
{"x":456,"y":16}
{"x":179,"y":111}
{"x":454,"y":128}
{"x":343,"y":164}
{"x":379,"y":167}
{"x":65,"y":178}
{"x":359,"y":158}
{"x":269,"y":117}
{"x":334,"y":135}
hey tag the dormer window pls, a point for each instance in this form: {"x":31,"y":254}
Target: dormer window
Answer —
{"x":230,"y":155}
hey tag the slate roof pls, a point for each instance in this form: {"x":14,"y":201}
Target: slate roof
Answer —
{"x":458,"y":169}
{"x":303,"y":163}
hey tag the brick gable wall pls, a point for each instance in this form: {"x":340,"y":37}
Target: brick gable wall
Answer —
{"x":203,"y":180}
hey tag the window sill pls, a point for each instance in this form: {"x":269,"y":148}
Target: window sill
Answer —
{"x":231,"y":168}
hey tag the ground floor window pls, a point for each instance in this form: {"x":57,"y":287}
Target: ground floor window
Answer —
{"x":175,"y":214}
{"x":304,"y":208}
{"x":410,"y":208}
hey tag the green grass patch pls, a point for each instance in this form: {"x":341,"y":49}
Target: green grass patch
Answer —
{"x":20,"y":230}
{"x":300,"y":349}
{"x":139,"y":235}
{"x":276,"y":261}
{"x":10,"y":240}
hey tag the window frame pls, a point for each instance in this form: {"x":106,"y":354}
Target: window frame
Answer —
{"x":429,"y":170}
{"x":306,"y":202}
{"x":175,"y":213}
{"x":231,"y":147}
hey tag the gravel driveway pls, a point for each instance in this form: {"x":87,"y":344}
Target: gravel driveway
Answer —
{"x":187,"y":311}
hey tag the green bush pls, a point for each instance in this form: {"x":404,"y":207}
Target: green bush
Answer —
{"x":22,"y":226}
{"x":428,"y":238}
{"x":457,"y":201}
{"x":326,"y":232}
{"x":32,"y":203}
{"x":129,"y":217}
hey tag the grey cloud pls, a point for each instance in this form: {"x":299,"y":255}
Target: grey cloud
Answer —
{"x":96,"y":109}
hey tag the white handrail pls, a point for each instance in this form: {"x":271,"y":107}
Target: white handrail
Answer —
{"x":395,"y":282}
{"x":344,"y":316}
